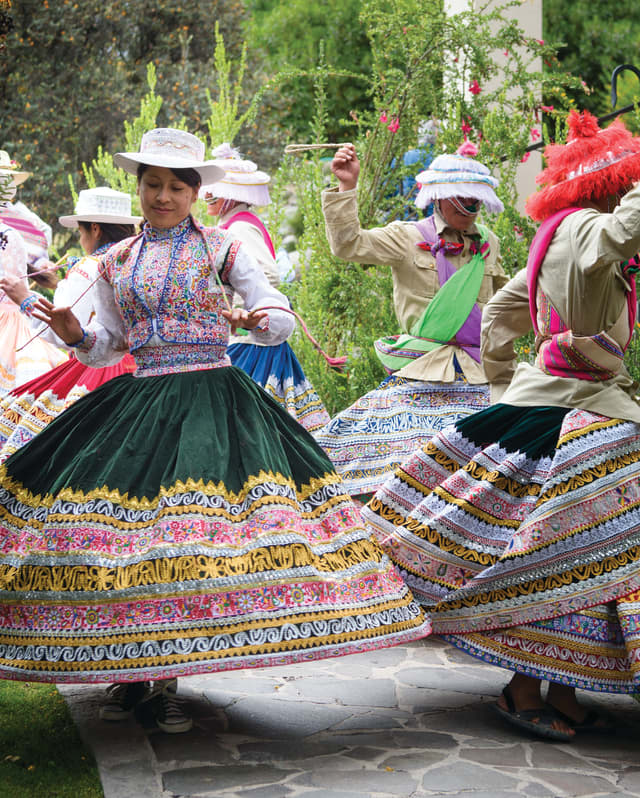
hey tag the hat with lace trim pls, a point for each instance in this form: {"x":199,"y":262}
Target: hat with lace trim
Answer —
{"x":12,"y":168}
{"x":102,"y":205}
{"x":242,"y":180}
{"x":458,"y":175}
{"x":594,"y":163}
{"x":172,"y":149}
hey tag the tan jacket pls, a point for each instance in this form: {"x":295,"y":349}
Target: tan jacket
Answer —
{"x":581,"y":276}
{"x":415,"y":276}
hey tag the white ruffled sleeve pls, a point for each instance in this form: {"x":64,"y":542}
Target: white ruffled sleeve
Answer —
{"x":69,"y":291}
{"x":246,"y":277}
{"x":105,"y":341}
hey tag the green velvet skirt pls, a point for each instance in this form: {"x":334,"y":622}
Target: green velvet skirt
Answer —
{"x":179,"y":524}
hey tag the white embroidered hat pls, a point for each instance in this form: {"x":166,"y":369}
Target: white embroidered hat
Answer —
{"x":242,"y":180}
{"x":10,"y":167}
{"x":173,"y":149}
{"x":458,"y":175}
{"x":101,"y":204}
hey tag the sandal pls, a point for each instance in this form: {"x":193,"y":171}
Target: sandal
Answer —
{"x":536,"y":721}
{"x":593,"y":722}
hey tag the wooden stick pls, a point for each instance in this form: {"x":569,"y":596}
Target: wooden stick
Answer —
{"x":293,"y":149}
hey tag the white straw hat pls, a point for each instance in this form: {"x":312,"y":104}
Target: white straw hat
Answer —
{"x":242,"y":180}
{"x":101,"y":204}
{"x":9,"y":167}
{"x":173,"y":149}
{"x":458,"y":175}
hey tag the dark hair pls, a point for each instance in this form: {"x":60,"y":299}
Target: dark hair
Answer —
{"x":188,"y":176}
{"x":110,"y":233}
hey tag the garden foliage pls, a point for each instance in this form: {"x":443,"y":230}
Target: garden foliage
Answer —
{"x":367,"y":71}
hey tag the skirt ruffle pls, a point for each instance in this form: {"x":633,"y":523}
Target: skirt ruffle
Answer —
{"x":368,"y":441}
{"x":17,"y":367}
{"x":179,"y":524}
{"x":278,"y":371}
{"x":519,"y":528}
{"x":27,"y":409}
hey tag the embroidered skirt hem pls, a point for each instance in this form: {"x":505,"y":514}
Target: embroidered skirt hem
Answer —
{"x":368,"y":441}
{"x":278,"y":371}
{"x":516,"y":525}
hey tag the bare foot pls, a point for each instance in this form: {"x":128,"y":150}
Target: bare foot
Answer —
{"x":563,"y":699}
{"x":521,"y":699}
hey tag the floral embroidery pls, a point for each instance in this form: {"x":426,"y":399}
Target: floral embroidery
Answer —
{"x":165,"y":285}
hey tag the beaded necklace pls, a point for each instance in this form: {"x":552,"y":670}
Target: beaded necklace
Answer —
{"x":177,"y":235}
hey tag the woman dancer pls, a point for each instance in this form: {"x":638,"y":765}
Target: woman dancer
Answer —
{"x":178,"y":520}
{"x":520,"y":525}
{"x":445,"y":268}
{"x":275,"y":368}
{"x":102,"y":216}
{"x":19,"y":362}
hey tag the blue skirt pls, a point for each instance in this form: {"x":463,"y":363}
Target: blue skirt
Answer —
{"x":278,"y":371}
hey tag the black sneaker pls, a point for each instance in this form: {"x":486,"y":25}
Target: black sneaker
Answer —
{"x":122,"y":699}
{"x":166,"y":708}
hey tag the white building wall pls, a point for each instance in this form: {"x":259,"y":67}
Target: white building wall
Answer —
{"x":529,"y":16}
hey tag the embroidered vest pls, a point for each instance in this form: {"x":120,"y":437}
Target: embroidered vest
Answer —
{"x":560,"y":352}
{"x":189,"y":308}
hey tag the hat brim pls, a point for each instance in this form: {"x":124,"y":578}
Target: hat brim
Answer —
{"x":129,"y":161}
{"x":18,"y":177}
{"x":251,"y":195}
{"x":100,"y":218}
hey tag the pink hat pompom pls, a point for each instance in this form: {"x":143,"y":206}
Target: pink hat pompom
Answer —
{"x":468,"y":149}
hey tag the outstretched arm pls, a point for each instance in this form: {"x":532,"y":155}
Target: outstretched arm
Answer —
{"x":382,"y":246}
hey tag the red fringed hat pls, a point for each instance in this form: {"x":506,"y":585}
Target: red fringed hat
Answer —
{"x":593,"y":163}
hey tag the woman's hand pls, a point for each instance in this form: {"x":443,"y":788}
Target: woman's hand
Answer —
{"x":46,"y":274}
{"x":14,"y":288}
{"x":239,"y":317}
{"x":346,"y":167}
{"x":61,"y":320}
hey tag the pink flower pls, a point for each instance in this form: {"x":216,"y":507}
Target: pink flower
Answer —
{"x":395,"y":124}
{"x":383,"y":117}
{"x":474,"y":87}
{"x":525,"y":158}
{"x":547,"y":109}
{"x":535,"y":134}
{"x":506,"y":53}
{"x":540,"y":42}
{"x":404,"y":30}
{"x":466,"y":127}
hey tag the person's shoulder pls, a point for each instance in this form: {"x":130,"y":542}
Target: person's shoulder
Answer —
{"x":403,"y":228}
{"x":119,"y":248}
{"x":86,"y":267}
{"x":10,"y":238}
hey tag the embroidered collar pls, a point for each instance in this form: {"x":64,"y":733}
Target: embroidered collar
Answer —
{"x":159,"y":234}
{"x":101,"y":249}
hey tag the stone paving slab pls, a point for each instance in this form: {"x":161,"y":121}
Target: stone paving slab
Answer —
{"x":415,"y":721}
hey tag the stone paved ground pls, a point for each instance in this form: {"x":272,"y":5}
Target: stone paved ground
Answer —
{"x":410,"y":721}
